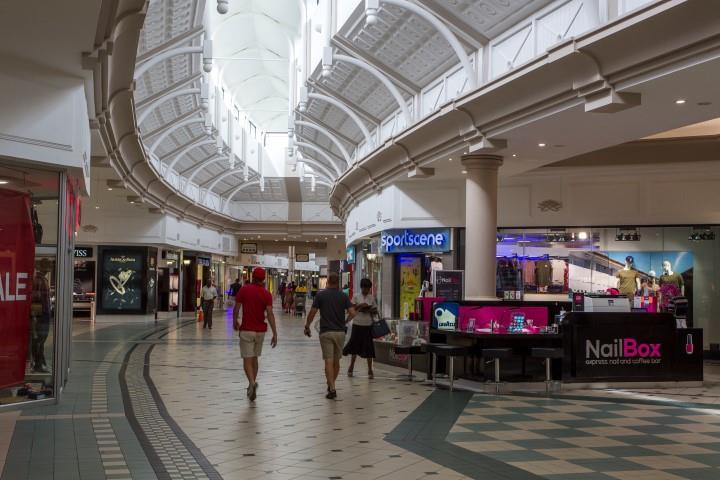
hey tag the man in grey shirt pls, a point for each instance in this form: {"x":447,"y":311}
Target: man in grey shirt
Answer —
{"x":332,"y":305}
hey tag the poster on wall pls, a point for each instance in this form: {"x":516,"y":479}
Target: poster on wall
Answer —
{"x":449,"y":284}
{"x":83,"y":277}
{"x":122,"y":281}
{"x":410,"y":283}
{"x":17,"y":257}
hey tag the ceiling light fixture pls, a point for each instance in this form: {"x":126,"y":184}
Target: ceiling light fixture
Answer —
{"x":4,"y":182}
{"x":109,"y":189}
{"x":514,"y":154}
{"x":464,"y":172}
{"x":680,"y":101}
{"x":583,"y":235}
{"x":450,"y":159}
{"x":541,"y":145}
{"x":97,"y":207}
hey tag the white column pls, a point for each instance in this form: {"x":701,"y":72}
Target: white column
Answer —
{"x":481,"y":201}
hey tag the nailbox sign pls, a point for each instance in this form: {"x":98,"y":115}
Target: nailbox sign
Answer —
{"x":622,"y":351}
{"x":415,"y":240}
{"x":17,"y":262}
{"x":622,"y":346}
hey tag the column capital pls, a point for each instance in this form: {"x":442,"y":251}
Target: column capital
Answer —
{"x":481,"y":161}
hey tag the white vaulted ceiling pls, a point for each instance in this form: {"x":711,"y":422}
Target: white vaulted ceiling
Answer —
{"x":258,"y":35}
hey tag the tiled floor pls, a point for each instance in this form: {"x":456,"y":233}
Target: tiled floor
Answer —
{"x":166,"y":400}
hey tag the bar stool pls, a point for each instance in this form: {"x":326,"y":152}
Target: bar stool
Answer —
{"x":495,"y":354}
{"x":430,"y":374}
{"x":547,"y":354}
{"x":450,"y":351}
{"x":408,"y":350}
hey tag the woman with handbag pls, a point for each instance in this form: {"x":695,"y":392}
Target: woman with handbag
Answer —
{"x":361,"y":339}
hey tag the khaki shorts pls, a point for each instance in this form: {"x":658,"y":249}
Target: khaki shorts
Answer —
{"x":331,"y":344}
{"x":251,"y":343}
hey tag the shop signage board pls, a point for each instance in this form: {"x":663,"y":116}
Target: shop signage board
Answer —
{"x":631,"y":347}
{"x":449,"y":284}
{"x":302,"y":257}
{"x":83,"y":252}
{"x":250,"y":248}
{"x":17,"y":258}
{"x":205,"y":262}
{"x":415,"y":240}
{"x":350,"y":254}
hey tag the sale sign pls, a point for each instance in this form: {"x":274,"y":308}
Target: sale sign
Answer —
{"x":17,"y":258}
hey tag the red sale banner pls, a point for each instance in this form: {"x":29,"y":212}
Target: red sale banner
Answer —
{"x":17,"y":258}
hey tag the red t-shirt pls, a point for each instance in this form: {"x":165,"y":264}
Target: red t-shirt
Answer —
{"x":254,"y":299}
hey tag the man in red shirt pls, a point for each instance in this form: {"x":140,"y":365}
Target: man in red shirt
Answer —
{"x":256,"y":301}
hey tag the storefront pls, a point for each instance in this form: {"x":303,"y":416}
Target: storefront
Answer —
{"x":84,"y":283}
{"x":657,"y":268}
{"x":127,"y":279}
{"x":37,"y":229}
{"x":416,"y":254}
{"x":168,"y":281}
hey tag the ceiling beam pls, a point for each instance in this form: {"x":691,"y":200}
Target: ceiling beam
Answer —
{"x":397,"y":78}
{"x":329,"y":151}
{"x":170,"y":44}
{"x":341,"y":136}
{"x":170,"y":124}
{"x":177,"y":150}
{"x":372,"y":119}
{"x":182,"y":83}
{"x":456,"y":25}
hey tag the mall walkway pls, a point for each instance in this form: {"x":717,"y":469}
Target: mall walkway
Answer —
{"x":167,"y":401}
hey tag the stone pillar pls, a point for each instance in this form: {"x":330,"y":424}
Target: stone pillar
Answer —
{"x":481,"y":201}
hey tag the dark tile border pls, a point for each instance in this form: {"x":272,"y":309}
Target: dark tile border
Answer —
{"x":425,"y":430}
{"x":147,"y":447}
{"x":191,"y":447}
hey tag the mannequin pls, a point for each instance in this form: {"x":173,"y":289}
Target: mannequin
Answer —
{"x":670,"y":277}
{"x":628,"y":278}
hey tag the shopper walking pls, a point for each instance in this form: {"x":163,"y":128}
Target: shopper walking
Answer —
{"x":256,"y":303}
{"x":332,"y":305}
{"x":361,"y":340}
{"x":208,"y":294}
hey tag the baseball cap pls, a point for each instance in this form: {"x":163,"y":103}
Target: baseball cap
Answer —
{"x":258,"y":273}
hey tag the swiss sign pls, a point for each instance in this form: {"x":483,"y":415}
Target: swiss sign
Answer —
{"x":17,"y":258}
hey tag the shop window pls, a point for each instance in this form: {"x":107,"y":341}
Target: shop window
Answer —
{"x":29,"y":290}
{"x":665,"y":266}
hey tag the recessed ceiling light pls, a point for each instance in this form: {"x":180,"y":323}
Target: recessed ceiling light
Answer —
{"x":109,"y":189}
{"x":680,"y":101}
{"x":4,"y":182}
{"x":132,"y":201}
{"x":541,"y":145}
{"x":464,"y":172}
{"x":97,"y":207}
{"x":514,"y":154}
{"x":450,"y":159}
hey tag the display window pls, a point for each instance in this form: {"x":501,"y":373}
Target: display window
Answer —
{"x":28,"y":283}
{"x":659,"y":268}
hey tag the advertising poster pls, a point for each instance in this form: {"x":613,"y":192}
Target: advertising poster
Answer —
{"x":122,"y":281}
{"x":449,"y":284}
{"x":410,"y":283}
{"x":84,"y":277}
{"x":17,"y":257}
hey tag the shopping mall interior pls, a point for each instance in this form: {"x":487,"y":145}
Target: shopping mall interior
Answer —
{"x":509,"y":210}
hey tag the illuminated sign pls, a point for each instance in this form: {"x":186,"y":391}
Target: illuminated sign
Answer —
{"x":416,"y":240}
{"x":83,"y":252}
